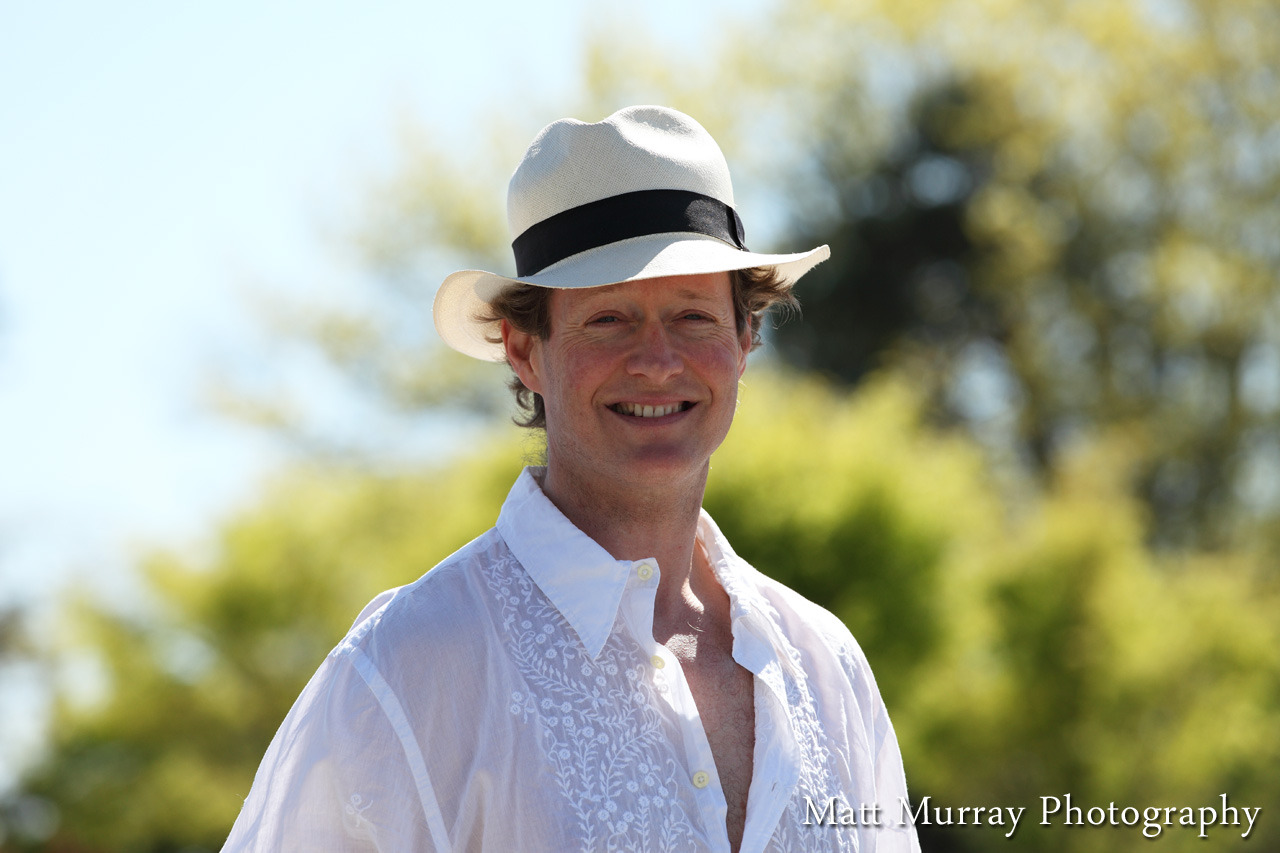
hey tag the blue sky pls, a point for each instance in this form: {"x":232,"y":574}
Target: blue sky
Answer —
{"x":156,"y":158}
{"x":159,"y":159}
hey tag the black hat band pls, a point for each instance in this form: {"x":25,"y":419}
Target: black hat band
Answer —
{"x":621,"y":217}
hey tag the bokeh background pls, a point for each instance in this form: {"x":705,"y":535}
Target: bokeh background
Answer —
{"x":1024,"y":438}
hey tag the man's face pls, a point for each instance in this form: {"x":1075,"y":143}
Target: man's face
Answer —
{"x":639,"y":379}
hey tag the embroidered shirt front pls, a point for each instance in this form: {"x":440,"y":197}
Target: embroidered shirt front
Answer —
{"x":514,"y":699}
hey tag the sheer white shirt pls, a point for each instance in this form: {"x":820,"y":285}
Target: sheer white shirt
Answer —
{"x":514,"y":699}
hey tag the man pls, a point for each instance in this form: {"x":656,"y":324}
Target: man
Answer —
{"x":600,"y":671}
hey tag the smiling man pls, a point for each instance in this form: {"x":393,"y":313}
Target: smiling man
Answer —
{"x":599,"y":671}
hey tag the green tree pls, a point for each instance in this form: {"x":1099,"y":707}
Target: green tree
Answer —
{"x":1062,"y":221}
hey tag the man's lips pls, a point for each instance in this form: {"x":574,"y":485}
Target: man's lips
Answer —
{"x":642,"y":410}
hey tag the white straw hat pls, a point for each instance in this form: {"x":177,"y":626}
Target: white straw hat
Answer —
{"x":643,"y":194}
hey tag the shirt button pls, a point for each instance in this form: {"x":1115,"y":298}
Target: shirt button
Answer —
{"x":701,"y":779}
{"x":658,"y":663}
{"x":645,"y":571}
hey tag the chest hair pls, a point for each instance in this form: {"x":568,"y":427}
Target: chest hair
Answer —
{"x":725,"y":695}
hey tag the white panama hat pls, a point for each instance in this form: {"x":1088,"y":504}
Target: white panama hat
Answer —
{"x":643,"y":194}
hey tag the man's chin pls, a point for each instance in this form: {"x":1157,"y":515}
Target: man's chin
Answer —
{"x":660,"y":465}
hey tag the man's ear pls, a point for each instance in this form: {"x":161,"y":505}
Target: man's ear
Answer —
{"x":744,"y":343}
{"x":521,"y":347}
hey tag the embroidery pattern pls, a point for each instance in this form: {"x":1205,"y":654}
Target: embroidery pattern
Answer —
{"x":819,"y":770}
{"x":598,"y":724}
{"x":356,"y":808}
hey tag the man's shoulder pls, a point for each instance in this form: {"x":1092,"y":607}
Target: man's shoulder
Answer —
{"x":442,"y":606}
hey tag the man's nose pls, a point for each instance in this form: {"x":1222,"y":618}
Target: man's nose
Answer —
{"x":655,"y":355}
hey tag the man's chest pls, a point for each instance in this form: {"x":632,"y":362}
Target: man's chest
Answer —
{"x":724,"y":693}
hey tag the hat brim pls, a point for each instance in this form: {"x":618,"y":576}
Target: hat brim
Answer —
{"x":464,"y":297}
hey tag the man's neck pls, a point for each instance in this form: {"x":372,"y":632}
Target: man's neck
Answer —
{"x":633,"y":522}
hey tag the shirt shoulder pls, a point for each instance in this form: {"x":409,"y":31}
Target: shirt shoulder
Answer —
{"x":445,"y":611}
{"x":347,"y":769}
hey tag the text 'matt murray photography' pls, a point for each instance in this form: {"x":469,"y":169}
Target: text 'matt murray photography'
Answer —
{"x":1054,"y":811}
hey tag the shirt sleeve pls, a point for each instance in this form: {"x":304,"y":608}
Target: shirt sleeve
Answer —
{"x":895,"y":833}
{"x":343,"y":774}
{"x":899,"y":835}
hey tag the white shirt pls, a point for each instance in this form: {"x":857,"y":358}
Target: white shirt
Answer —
{"x":514,"y":699}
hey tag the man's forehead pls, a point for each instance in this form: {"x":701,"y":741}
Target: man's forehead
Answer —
{"x":706,"y":287}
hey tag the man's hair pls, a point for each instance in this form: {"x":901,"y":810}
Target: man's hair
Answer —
{"x":527,"y":308}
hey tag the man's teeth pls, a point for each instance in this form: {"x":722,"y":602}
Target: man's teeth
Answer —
{"x":636,"y":410}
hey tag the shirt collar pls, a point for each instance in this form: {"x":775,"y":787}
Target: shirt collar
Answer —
{"x":582,"y":580}
{"x":743,"y":595}
{"x":751,"y":612}
{"x":586,"y":584}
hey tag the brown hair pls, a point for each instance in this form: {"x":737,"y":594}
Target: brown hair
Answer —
{"x":527,"y":308}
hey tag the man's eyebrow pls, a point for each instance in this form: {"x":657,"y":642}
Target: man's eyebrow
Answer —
{"x":696,"y":294}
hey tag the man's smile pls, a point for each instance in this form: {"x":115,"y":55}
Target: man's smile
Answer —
{"x":640,"y":410}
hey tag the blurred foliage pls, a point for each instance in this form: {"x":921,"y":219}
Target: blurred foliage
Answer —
{"x":1053,"y":225}
{"x":1059,"y":218}
{"x":1024,"y":653}
{"x":13,"y":635}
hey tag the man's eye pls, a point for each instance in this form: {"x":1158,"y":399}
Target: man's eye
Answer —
{"x":608,"y":318}
{"x":695,"y":315}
